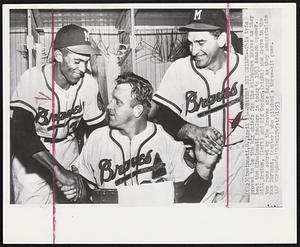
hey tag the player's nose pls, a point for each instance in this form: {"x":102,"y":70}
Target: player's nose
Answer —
{"x":194,"y":48}
{"x":109,"y":106}
{"x":82,"y":67}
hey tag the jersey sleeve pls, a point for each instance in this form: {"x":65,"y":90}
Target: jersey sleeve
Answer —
{"x":92,"y":114}
{"x":170,"y":92}
{"x":83,"y":162}
{"x":174,"y":150}
{"x":24,"y":95}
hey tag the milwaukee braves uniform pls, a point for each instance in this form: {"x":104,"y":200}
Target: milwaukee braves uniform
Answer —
{"x":199,"y":96}
{"x":34,"y":94}
{"x":111,"y":159}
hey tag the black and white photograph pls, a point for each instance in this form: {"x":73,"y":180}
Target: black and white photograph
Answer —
{"x":148,"y":112}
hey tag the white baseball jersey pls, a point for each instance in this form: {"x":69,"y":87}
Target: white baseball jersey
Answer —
{"x":111,"y":159}
{"x":34,"y":94}
{"x":199,"y":96}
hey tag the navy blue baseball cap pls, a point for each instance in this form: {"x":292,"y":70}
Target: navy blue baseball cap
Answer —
{"x":75,"y":38}
{"x":206,"y":20}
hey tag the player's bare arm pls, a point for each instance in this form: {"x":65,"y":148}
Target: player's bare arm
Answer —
{"x":205,"y":162}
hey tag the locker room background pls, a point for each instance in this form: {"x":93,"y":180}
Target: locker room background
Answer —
{"x":151,"y":33}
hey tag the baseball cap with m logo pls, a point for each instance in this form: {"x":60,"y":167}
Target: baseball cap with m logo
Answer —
{"x":206,"y":20}
{"x":75,"y":38}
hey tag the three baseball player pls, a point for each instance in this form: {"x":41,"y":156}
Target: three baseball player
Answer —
{"x":46,"y":109}
{"x":191,"y":104}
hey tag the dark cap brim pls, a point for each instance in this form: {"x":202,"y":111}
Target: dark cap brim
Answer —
{"x":199,"y":27}
{"x":83,"y":49}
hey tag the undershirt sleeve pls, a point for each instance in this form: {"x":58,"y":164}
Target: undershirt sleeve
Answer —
{"x":91,"y":128}
{"x":194,"y":189}
{"x":170,"y":121}
{"x":25,"y":141}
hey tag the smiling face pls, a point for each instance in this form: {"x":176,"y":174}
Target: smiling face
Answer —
{"x":120,"y":109}
{"x":204,"y":48}
{"x":73,"y":66}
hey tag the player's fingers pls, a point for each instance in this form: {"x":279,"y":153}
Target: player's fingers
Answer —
{"x":59,"y":184}
{"x":220,"y":138}
{"x":220,"y":141}
{"x":70,"y":197}
{"x":70,"y":192}
{"x":213,"y":133}
{"x":207,"y":148}
{"x":216,"y":137}
{"x":214,"y":144}
{"x":67,"y":187}
{"x":210,"y":145}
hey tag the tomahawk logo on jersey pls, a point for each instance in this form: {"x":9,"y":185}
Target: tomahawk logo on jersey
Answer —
{"x":204,"y":99}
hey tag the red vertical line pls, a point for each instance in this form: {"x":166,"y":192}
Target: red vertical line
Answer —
{"x":227,"y":100}
{"x":53,"y":129}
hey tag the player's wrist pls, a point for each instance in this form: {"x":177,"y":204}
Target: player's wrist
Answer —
{"x":203,"y":171}
{"x":59,"y":172}
{"x":193,"y":132}
{"x":187,"y":131}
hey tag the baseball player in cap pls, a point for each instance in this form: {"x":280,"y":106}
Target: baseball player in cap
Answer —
{"x":191,"y":102}
{"x":134,"y":151}
{"x":43,"y":116}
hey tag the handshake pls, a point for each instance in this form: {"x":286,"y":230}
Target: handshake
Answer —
{"x":78,"y":190}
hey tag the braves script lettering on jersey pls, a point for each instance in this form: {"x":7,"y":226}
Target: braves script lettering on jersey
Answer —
{"x":111,"y":159}
{"x":33,"y":94}
{"x":199,"y":96}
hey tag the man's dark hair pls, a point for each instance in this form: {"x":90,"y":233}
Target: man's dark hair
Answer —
{"x":141,"y":91}
{"x":217,"y":33}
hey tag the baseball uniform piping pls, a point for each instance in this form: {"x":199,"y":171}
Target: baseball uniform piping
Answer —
{"x":207,"y":86}
{"x":56,"y":96}
{"x":143,"y":143}
{"x":95,"y":118}
{"x":119,"y":145}
{"x":223,"y":87}
{"x":77,"y":92}
{"x":24,"y":103}
{"x":168,"y":101}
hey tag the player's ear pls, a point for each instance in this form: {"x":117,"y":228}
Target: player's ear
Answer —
{"x":138,"y":110}
{"x":222,"y":40}
{"x":58,"y":56}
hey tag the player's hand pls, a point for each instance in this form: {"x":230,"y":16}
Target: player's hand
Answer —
{"x":205,"y":162}
{"x":210,"y":139}
{"x":71,"y":182}
{"x":71,"y":193}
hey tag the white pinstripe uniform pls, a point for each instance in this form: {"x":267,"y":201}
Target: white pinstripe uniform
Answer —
{"x":34,"y":94}
{"x":111,"y":159}
{"x":188,"y":91}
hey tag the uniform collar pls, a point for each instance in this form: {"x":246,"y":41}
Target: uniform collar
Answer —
{"x":147,"y":132}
